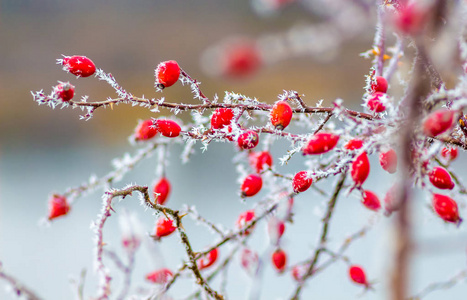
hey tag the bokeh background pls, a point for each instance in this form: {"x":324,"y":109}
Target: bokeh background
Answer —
{"x":44,"y":150}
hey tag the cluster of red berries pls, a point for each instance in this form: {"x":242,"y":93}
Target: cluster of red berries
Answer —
{"x":379,"y":87}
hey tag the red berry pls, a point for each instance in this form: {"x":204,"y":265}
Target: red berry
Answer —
{"x":392,"y":200}
{"x":411,"y":19}
{"x":249,"y":260}
{"x":168,"y":128}
{"x":321,"y":142}
{"x":379,"y":84}
{"x":162,"y":190}
{"x":354,"y":144}
{"x":221,"y":117}
{"x":276,"y":228}
{"x":446,"y":208}
{"x":248,"y":140}
{"x":80,"y":66}
{"x":240,"y":60}
{"x":388,"y":160}
{"x":360,"y":169}
{"x":260,"y":160}
{"x":208,"y":259}
{"x":438,"y":122}
{"x":357,"y":274}
{"x":279,"y":260}
{"x":298,"y":272}
{"x":301,"y":182}
{"x":375,"y":103}
{"x":441,"y":179}
{"x":164,"y":227}
{"x":370,"y":200}
{"x":251,"y":185}
{"x":281,"y":114}
{"x":64,"y":91}
{"x":167,"y":73}
{"x":449,"y":153}
{"x":58,"y":206}
{"x":145,"y":130}
{"x":160,"y":276}
{"x":244,"y":220}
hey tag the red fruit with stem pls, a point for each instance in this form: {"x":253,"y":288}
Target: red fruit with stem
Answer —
{"x":164,"y":227}
{"x":438,"y":122}
{"x":64,"y":91}
{"x":244,"y":220}
{"x":370,"y":200}
{"x":160,"y":276}
{"x":208,"y":259}
{"x":145,"y":130}
{"x":276,"y":229}
{"x":379,"y":84}
{"x":279,"y":260}
{"x":411,"y":18}
{"x":78,"y":65}
{"x":167,"y":73}
{"x":301,"y":182}
{"x":240,"y":59}
{"x":221,"y":118}
{"x":354,"y":144}
{"x":388,"y":160}
{"x":298,"y":272}
{"x":162,"y":190}
{"x":58,"y":206}
{"x":168,"y":128}
{"x":446,"y":208}
{"x":251,"y":185}
{"x":375,"y":102}
{"x":360,"y":169}
{"x":248,"y":140}
{"x":281,"y":114}
{"x":249,"y":260}
{"x":441,"y":178}
{"x":357,"y":275}
{"x":449,"y":153}
{"x":260,"y":160}
{"x":321,"y":142}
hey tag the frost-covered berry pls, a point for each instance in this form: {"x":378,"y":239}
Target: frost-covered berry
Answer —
{"x":208,"y":260}
{"x":449,"y":153}
{"x":375,"y":102}
{"x":280,"y":115}
{"x":438,"y":122}
{"x":168,"y":128}
{"x":388,"y":160}
{"x":446,"y":208}
{"x":321,"y":142}
{"x":276,"y":229}
{"x":392,"y":200}
{"x":248,"y":140}
{"x":279,"y":260}
{"x":240,"y":59}
{"x":370,"y":200}
{"x":164,"y":227}
{"x":162,"y":190}
{"x":298,"y":272}
{"x":167,"y":73}
{"x":301,"y":182}
{"x":58,"y":206}
{"x":379,"y":84}
{"x":360,"y":169}
{"x":64,"y":91}
{"x":221,"y":117}
{"x":244,"y":219}
{"x":251,"y":185}
{"x":249,"y":260}
{"x":145,"y":130}
{"x":354,"y":144}
{"x":160,"y":276}
{"x":441,"y":179}
{"x":357,"y":275}
{"x":78,"y":65}
{"x":260,"y":160}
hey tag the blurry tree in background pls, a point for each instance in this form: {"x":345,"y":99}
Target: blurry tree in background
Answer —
{"x":410,"y":121}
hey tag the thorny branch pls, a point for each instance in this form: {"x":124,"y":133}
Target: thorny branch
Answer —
{"x":18,"y":288}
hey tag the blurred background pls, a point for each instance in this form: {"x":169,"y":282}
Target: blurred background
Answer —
{"x":44,"y":150}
